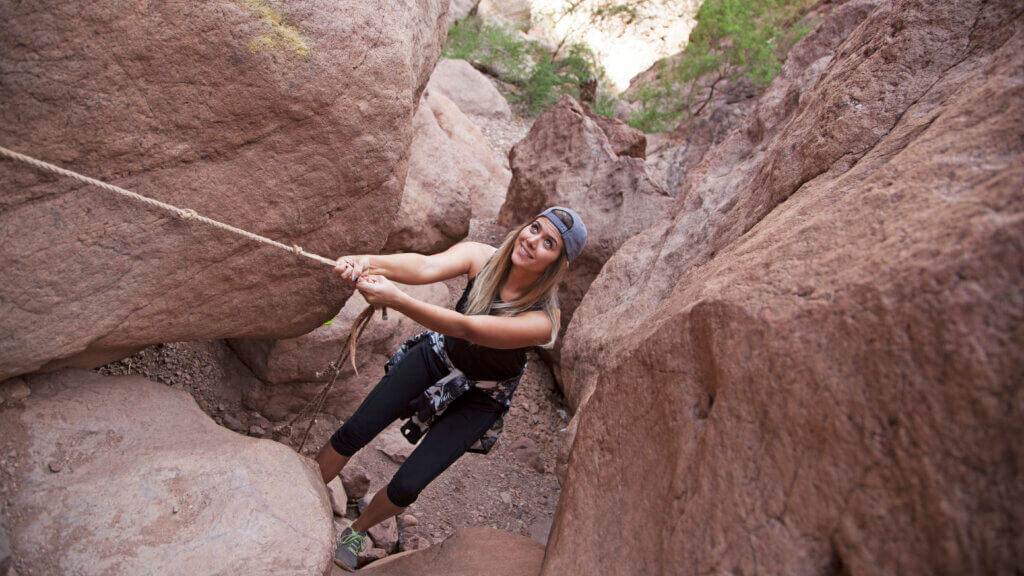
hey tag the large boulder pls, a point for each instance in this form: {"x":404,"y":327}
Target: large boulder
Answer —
{"x":454,"y":176}
{"x":594,"y":165}
{"x":292,"y":371}
{"x":292,"y":121}
{"x":105,"y":475}
{"x":467,"y":552}
{"x":707,"y":211}
{"x":814,"y":367}
{"x":471,"y":91}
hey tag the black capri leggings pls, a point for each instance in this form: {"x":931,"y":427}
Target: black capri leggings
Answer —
{"x":465,"y":421}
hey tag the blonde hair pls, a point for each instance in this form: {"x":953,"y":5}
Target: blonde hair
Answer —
{"x":544,"y":291}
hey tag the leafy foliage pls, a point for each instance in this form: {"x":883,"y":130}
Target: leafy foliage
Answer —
{"x":536,"y":77}
{"x":733,"y":39}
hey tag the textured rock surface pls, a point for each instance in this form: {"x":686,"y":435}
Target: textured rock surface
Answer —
{"x":672,"y":155}
{"x":459,"y":9}
{"x":568,"y":159}
{"x":471,"y":91}
{"x":122,"y":475}
{"x":290,"y":121}
{"x":454,"y":176}
{"x":712,"y":216}
{"x":468,"y":552}
{"x":514,"y":13}
{"x":288,"y":368}
{"x":815,"y":366}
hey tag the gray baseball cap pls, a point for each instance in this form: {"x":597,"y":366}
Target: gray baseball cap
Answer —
{"x":574,"y":233}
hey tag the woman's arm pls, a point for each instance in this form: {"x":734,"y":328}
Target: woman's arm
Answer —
{"x":462,"y":258}
{"x":528,"y":329}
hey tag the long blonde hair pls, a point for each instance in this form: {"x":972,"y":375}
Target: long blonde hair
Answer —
{"x":544,"y":291}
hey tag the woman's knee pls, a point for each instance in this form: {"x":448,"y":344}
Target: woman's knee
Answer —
{"x":347,"y":440}
{"x":404,"y":489}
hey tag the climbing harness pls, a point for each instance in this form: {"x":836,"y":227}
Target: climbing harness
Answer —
{"x":316,"y":404}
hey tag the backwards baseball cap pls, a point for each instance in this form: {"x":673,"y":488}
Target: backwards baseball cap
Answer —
{"x":570,"y":226}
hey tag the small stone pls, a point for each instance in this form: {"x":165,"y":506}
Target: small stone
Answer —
{"x":506,"y":497}
{"x":393,"y":445}
{"x":55,"y":466}
{"x":260,"y":420}
{"x":14,"y":389}
{"x":174,"y":510}
{"x":356,"y":481}
{"x":407,"y":521}
{"x":232,"y":423}
{"x":409,"y":540}
{"x":256,"y":430}
{"x":371,"y":555}
{"x":527,"y":451}
{"x":385,"y":535}
{"x":338,"y":497}
{"x":540,"y":530}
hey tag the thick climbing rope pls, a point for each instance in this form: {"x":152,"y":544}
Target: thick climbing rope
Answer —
{"x":184,"y":213}
{"x":315,"y":405}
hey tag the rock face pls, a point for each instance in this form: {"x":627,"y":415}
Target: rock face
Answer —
{"x":513,"y":13}
{"x":288,"y":368}
{"x":459,"y":9}
{"x":471,"y":91}
{"x":125,"y":476}
{"x":675,"y":153}
{"x":293,"y":122}
{"x":468,"y":552}
{"x":730,"y":174}
{"x":573,"y":158}
{"x":454,"y":176}
{"x":814,"y":366}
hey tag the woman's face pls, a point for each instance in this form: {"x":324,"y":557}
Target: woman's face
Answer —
{"x":537,"y":246}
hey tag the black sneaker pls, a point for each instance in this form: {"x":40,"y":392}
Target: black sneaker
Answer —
{"x":351,"y":543}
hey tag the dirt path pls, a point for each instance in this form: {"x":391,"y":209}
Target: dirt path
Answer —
{"x":513,"y":490}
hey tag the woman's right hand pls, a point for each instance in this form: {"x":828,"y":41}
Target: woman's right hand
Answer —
{"x":352,"y":267}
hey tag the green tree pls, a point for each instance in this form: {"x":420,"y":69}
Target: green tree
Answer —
{"x":733,"y":39}
{"x":533,"y":76}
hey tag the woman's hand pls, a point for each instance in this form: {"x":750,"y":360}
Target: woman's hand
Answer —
{"x":352,"y":267}
{"x":379,"y":291}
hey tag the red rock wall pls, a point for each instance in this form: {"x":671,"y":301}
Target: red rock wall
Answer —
{"x":814,"y":367}
{"x":593,"y":165}
{"x":292,"y":121}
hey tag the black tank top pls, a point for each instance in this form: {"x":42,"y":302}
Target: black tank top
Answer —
{"x":480,"y":362}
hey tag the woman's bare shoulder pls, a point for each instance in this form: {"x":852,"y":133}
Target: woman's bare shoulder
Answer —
{"x":479,"y":253}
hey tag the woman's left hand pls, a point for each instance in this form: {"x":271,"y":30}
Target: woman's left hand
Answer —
{"x":378,"y":290}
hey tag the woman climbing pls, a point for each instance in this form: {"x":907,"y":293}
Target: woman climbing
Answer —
{"x":457,"y":378}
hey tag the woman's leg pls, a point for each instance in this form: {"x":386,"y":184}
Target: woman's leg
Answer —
{"x":330,"y":462}
{"x":390,"y":398}
{"x":466,"y":419}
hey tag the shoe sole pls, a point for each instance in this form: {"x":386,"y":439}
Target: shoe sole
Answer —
{"x":342,"y":565}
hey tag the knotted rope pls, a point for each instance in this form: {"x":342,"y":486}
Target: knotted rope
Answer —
{"x":316,"y":404}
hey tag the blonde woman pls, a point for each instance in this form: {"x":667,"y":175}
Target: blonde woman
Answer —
{"x":457,"y":378}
